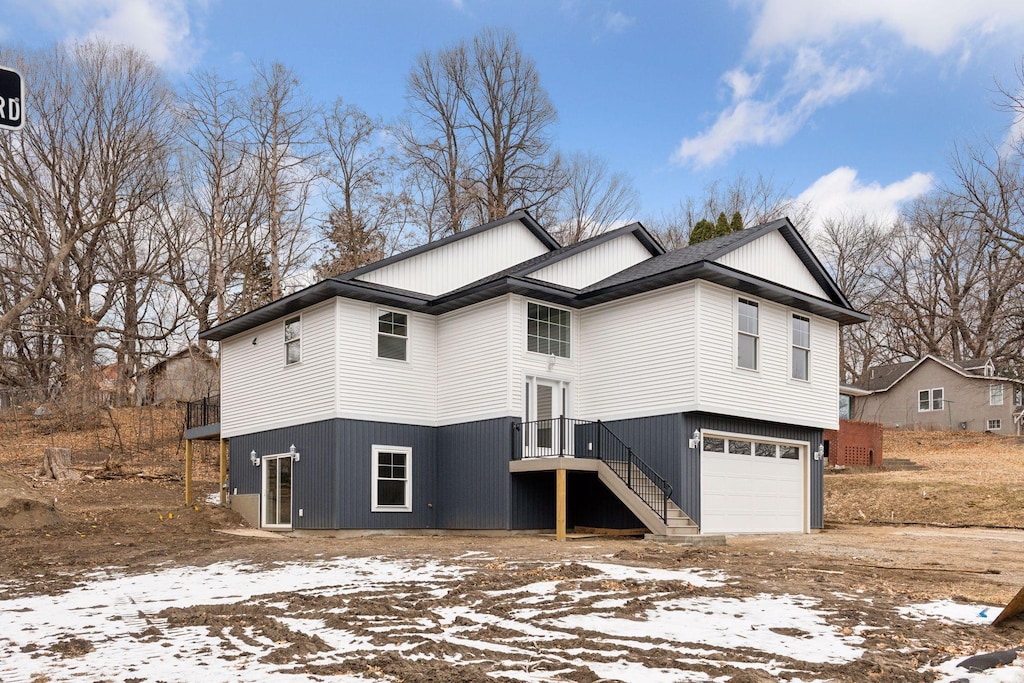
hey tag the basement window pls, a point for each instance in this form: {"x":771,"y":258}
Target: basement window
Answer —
{"x":995,"y":425}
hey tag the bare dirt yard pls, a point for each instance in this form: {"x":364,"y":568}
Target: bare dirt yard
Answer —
{"x":128,"y":584}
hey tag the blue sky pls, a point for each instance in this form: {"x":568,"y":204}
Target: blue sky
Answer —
{"x":854,"y":106}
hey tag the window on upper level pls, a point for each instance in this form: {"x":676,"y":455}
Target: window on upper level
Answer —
{"x":292,"y":340}
{"x":747,"y":334}
{"x":1018,"y":396}
{"x":995,"y":394}
{"x":547,"y":330}
{"x":392,"y":335}
{"x":801,"y":347}
{"x":930,"y":399}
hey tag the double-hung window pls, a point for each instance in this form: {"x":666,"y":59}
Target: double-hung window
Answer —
{"x":995,"y":394}
{"x":547,"y":330}
{"x":801,"y":347}
{"x":747,"y":334}
{"x":392,"y":335}
{"x":930,"y":399}
{"x":292,"y":340}
{"x":392,"y":479}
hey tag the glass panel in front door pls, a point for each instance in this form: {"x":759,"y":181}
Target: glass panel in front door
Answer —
{"x":545,"y":415}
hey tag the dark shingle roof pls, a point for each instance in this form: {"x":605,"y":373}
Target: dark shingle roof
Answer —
{"x":702,"y":251}
{"x":882,"y":376}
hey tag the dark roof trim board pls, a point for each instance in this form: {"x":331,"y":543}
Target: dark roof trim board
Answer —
{"x":662,"y":270}
{"x":523,"y":216}
{"x":947,"y":364}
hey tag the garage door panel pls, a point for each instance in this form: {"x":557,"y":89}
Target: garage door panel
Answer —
{"x":751,"y":494}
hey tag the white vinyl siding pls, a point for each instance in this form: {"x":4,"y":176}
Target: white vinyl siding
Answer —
{"x":770,"y":395}
{"x":461,"y":262}
{"x":380,"y":389}
{"x":770,"y":257}
{"x":259,"y":391}
{"x":637,"y":355}
{"x":595,"y":264}
{"x":473,"y":347}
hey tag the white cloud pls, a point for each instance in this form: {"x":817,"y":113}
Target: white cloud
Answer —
{"x":809,"y":85}
{"x":840,"y":194}
{"x":934,"y":26}
{"x":617,"y":22}
{"x":160,"y":28}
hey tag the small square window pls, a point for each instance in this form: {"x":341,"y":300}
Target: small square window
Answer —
{"x":292,"y":340}
{"x":392,"y":335}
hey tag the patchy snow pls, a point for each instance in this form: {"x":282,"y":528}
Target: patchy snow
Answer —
{"x":236,"y":621}
{"x":947,"y":610}
{"x":950,"y":672}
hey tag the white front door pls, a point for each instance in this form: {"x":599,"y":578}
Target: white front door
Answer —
{"x":277,"y":492}
{"x":750,"y":484}
{"x":546,"y":401}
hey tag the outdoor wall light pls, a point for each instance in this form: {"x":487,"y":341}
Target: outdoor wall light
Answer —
{"x":295,"y":456}
{"x":254,"y":459}
{"x":819,"y":453}
{"x":695,"y":439}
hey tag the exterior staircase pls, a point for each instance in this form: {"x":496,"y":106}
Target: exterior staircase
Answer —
{"x":623,"y":480}
{"x":592,"y":446}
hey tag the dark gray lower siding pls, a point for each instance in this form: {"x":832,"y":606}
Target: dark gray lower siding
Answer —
{"x":460,"y":476}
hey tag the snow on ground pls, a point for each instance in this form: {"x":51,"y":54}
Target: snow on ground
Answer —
{"x":234,"y":621}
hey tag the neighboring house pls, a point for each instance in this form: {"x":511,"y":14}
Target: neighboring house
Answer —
{"x":933,"y":393}
{"x":497,"y":380}
{"x":187,"y":375}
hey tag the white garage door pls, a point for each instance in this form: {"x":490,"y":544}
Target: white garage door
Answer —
{"x":750,"y":485}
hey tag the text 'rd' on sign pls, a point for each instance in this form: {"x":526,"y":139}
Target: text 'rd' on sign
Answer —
{"x":12,"y":98}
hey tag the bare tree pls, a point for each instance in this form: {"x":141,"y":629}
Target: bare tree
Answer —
{"x":282,"y":122}
{"x":758,"y":200}
{"x":594,"y":199}
{"x":478,"y":127}
{"x":89,"y":161}
{"x":367,"y":216}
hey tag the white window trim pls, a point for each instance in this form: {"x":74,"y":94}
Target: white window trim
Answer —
{"x":931,"y":400}
{"x":298,"y":341}
{"x":526,"y":330}
{"x":376,"y":450}
{"x":991,"y":394}
{"x":998,"y":427}
{"x":377,"y":333}
{"x":738,"y":332}
{"x":794,"y":345}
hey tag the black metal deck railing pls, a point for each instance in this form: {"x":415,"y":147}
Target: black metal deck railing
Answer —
{"x":569,"y":437}
{"x":203,"y":412}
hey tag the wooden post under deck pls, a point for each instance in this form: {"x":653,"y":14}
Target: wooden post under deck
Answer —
{"x":223,"y":471}
{"x":188,"y":471}
{"x":560,"y":504}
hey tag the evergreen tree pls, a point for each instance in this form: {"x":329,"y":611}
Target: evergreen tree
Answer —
{"x":737,"y":222}
{"x":703,"y":230}
{"x":722,"y":226}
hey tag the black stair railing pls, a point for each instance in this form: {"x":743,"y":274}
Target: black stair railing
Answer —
{"x":203,"y":412}
{"x":569,"y":437}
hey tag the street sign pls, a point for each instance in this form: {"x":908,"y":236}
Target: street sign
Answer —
{"x":12,"y":99}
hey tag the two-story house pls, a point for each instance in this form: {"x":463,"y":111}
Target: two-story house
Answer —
{"x":497,"y":380}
